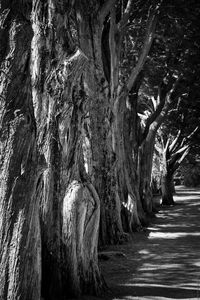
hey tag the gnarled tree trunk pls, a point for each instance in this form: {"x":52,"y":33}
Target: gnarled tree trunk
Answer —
{"x":69,"y":203}
{"x":102,"y":170}
{"x":21,"y":164}
{"x":126,"y":146}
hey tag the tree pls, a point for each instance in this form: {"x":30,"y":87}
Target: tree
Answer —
{"x":44,"y":121}
{"x":160,"y":108}
{"x":168,"y":59}
{"x":124,"y":98}
{"x":107,"y":94}
{"x":90,"y":25}
{"x":178,"y":136}
{"x":174,"y":151}
{"x":70,"y":205}
{"x":189,"y":171}
{"x":21,"y":162}
{"x":72,"y":77}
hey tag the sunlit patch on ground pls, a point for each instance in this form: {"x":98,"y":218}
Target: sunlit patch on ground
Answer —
{"x":172,"y":235}
{"x":164,"y":262}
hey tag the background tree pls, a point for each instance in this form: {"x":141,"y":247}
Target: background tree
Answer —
{"x":168,"y":59}
{"x":189,"y":171}
{"x":183,"y":136}
{"x":174,"y":150}
{"x":124,"y":97}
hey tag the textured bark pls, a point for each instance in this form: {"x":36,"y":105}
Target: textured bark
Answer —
{"x":173,"y":153}
{"x":81,"y":212}
{"x":124,"y":125}
{"x":21,"y":164}
{"x":167,"y":189}
{"x":69,"y":203}
{"x":81,"y":204}
{"x":153,"y":123}
{"x":127,"y":155}
{"x":167,"y":177}
{"x":47,"y":190}
{"x":102,"y":171}
{"x":146,"y":159}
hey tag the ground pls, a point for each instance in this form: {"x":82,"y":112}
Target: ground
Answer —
{"x":161,"y":263}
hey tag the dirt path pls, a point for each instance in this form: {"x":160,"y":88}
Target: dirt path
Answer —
{"x":163,"y":262}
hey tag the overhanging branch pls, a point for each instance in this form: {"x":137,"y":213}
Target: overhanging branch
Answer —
{"x":180,"y":159}
{"x":126,"y":15}
{"x":175,"y":141}
{"x":105,"y":9}
{"x":154,"y":115}
{"x":147,"y":44}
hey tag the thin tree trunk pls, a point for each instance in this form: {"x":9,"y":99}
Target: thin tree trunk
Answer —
{"x":146,"y":159}
{"x":167,"y":190}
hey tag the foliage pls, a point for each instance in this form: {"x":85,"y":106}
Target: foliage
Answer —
{"x":190,"y":170}
{"x":192,"y":176}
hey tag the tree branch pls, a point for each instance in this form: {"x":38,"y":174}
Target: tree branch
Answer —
{"x":126,"y":15}
{"x":175,"y":141}
{"x":167,"y":102}
{"x":105,"y":9}
{"x":192,"y":133}
{"x":166,"y":148}
{"x":154,"y":115}
{"x":114,"y":63}
{"x":147,"y":45}
{"x":182,"y":149}
{"x":162,"y":109}
{"x":188,"y":138}
{"x":180,"y":159}
{"x":176,"y":156}
{"x":172,"y":90}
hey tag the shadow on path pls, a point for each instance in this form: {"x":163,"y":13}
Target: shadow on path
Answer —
{"x":164,"y":261}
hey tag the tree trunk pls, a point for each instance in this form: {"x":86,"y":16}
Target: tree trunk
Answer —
{"x":167,"y":178}
{"x":21,"y":164}
{"x":167,"y":189}
{"x":173,"y":186}
{"x":69,"y":203}
{"x":102,"y":170}
{"x":81,"y":204}
{"x":127,"y":155}
{"x":145,"y":161}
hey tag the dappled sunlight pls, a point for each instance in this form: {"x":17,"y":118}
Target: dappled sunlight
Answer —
{"x":181,"y":226}
{"x":197,"y":264}
{"x":148,"y":267}
{"x":143,"y":251}
{"x":153,"y":229}
{"x":156,"y":291}
{"x":164,"y":260}
{"x":175,"y":261}
{"x":157,"y":285}
{"x":172,"y":235}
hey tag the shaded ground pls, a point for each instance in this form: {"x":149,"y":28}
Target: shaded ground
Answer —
{"x":164,"y":261}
